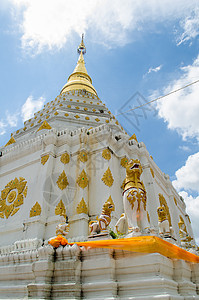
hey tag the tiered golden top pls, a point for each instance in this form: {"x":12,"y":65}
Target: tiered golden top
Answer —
{"x":79,"y":79}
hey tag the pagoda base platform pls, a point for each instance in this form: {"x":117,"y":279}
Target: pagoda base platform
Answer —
{"x":76,"y":273}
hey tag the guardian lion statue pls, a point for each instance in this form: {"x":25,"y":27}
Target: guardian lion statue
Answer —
{"x":134,"y":198}
{"x":163,"y":223}
{"x":100,"y":226}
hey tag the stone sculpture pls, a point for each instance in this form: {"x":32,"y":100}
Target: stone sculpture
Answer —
{"x":134,"y":198}
{"x":100,"y":226}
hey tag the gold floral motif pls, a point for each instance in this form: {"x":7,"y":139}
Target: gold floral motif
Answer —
{"x":77,"y":117}
{"x":124,"y":162}
{"x":152,"y":172}
{"x":44,"y":159}
{"x":10,"y":142}
{"x":12,"y":196}
{"x":65,"y":158}
{"x":60,"y":208}
{"x":97,"y":119}
{"x":35,"y":210}
{"x":44,"y":125}
{"x":133,"y":137}
{"x":106,"y":154}
{"x":82,"y":207}
{"x":62,"y":181}
{"x":82,"y":180}
{"x":164,"y":203}
{"x":66,"y":115}
{"x":108,"y":178}
{"x":56,"y":113}
{"x":1,"y":215}
{"x":87,"y":118}
{"x":175,"y":201}
{"x":83,"y":157}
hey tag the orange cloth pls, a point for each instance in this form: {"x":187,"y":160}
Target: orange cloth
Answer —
{"x":144,"y":244}
{"x":59,"y":240}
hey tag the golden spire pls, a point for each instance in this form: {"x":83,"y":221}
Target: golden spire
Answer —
{"x":79,"y":79}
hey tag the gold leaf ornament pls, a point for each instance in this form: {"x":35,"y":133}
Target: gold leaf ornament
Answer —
{"x":106,"y":154}
{"x":108,"y":178}
{"x":82,"y":207}
{"x":65,"y":158}
{"x":44,"y":159}
{"x":12,"y":197}
{"x":83,"y":156}
{"x":124,"y":162}
{"x":60,"y":208}
{"x":62,"y":181}
{"x":35,"y":210}
{"x":82,"y":180}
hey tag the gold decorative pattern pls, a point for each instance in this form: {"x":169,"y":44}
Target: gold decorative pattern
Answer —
{"x":148,"y":217}
{"x":108,"y":178}
{"x":175,"y":201}
{"x":66,"y":115}
{"x":44,"y":159}
{"x":83,"y":157}
{"x":124,"y":162}
{"x":87,"y":118}
{"x":152,"y":172}
{"x":110,"y":200}
{"x":106,"y":154}
{"x":10,"y":142}
{"x":65,"y":158}
{"x":44,"y":125}
{"x":82,"y":180}
{"x":77,"y":117}
{"x":35,"y":210}
{"x":133,"y":137}
{"x":164,"y":203}
{"x":97,"y":119}
{"x":62,"y":181}
{"x":60,"y":208}
{"x":82,"y":207}
{"x":12,"y":196}
{"x":188,"y":218}
{"x":123,"y":184}
{"x":56,"y":113}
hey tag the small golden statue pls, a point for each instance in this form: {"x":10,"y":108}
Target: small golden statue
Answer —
{"x":100,"y":226}
{"x":62,"y":230}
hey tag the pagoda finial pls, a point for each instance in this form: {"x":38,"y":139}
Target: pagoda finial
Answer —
{"x":81,"y":48}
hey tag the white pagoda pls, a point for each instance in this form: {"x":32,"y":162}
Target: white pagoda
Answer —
{"x":71,"y":158}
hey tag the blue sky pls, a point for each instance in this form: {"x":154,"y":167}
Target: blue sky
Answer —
{"x":138,"y":50}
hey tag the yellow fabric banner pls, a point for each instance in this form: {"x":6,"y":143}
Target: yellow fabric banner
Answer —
{"x":144,"y":244}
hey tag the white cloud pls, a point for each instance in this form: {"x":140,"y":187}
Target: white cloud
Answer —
{"x":190,"y":27}
{"x":50,"y":23}
{"x":12,"y":120}
{"x":2,"y":128}
{"x":30,"y":107}
{"x":180,"y":110}
{"x":187,"y":177}
{"x":192,"y":207}
{"x":185,"y":148}
{"x":154,"y":69}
